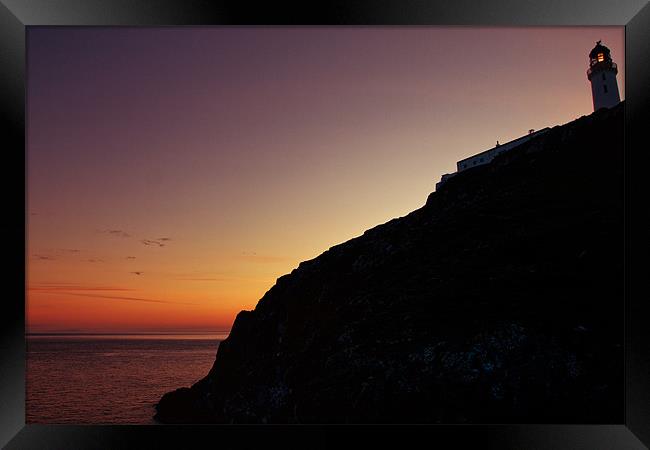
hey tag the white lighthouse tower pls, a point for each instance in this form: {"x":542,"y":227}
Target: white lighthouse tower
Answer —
{"x":602,"y":74}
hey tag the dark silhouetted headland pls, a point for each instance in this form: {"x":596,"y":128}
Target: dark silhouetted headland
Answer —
{"x":500,"y":300}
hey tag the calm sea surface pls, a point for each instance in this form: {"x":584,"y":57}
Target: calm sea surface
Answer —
{"x":110,"y":378}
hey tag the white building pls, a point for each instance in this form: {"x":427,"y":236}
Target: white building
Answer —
{"x":486,"y":157}
{"x":602,"y":75}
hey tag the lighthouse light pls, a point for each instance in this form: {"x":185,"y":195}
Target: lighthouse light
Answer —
{"x":601,"y":57}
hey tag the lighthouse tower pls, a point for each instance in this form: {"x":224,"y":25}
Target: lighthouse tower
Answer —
{"x":602,"y":74}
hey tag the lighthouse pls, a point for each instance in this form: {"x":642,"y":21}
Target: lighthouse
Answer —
{"x":602,"y":75}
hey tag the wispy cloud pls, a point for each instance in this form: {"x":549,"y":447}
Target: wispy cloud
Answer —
{"x":43,"y":257}
{"x":67,"y":250}
{"x":137,"y":273}
{"x":91,"y":292}
{"x":213,"y":277}
{"x":134,"y":299}
{"x":151,"y":242}
{"x":54,"y":254}
{"x":44,"y":287}
{"x":116,"y":233}
{"x":130,"y":257}
{"x":160,"y":242}
{"x":93,"y":260}
{"x":199,"y":279}
{"x":154,"y":242}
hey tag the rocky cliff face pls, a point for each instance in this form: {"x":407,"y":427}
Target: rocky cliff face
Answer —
{"x":500,"y":300}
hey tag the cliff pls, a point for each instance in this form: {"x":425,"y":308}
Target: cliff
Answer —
{"x":500,"y":300}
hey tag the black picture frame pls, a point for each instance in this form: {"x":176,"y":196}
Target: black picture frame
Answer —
{"x":16,"y":15}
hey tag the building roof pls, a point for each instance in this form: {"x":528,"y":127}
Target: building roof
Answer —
{"x":507,"y":143}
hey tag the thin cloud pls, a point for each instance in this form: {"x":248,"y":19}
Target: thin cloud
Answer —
{"x":153,"y":242}
{"x":68,"y":250}
{"x":207,"y":276}
{"x":116,"y":233}
{"x":133,"y":299}
{"x":211,"y":276}
{"x":199,"y":279}
{"x":137,"y":273}
{"x":54,"y":254}
{"x":130,"y":257}
{"x":43,"y":257}
{"x":91,"y":260}
{"x":90,"y":291}
{"x":55,"y":287}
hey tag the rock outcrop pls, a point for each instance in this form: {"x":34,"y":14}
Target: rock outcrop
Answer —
{"x":500,"y":300}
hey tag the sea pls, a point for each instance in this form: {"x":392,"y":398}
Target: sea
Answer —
{"x":110,"y":379}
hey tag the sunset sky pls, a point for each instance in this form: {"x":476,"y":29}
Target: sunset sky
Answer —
{"x":174,"y":173}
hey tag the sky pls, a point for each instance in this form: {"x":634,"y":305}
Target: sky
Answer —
{"x":173,"y":174}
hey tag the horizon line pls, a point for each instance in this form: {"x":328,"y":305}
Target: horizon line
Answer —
{"x":136,"y":333}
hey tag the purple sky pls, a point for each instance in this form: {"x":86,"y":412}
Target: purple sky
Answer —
{"x":255,"y":148}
